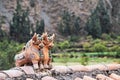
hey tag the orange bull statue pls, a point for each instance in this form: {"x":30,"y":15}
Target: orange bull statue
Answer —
{"x":30,"y":54}
{"x":48,"y":44}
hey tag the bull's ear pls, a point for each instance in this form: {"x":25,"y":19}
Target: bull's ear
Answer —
{"x":34,"y":38}
{"x":45,"y":33}
{"x":44,"y":36}
{"x":52,"y":37}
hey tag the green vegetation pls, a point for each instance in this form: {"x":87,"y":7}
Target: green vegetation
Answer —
{"x":98,"y":47}
{"x":96,"y":51}
{"x":84,"y":60}
{"x":8,"y":49}
{"x":99,"y":22}
{"x":93,"y":25}
{"x":3,"y":34}
{"x":21,"y":28}
{"x":20,"y":25}
{"x":40,"y":26}
{"x":69,"y":24}
{"x":63,"y":45}
{"x":86,"y":46}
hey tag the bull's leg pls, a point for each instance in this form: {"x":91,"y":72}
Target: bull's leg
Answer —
{"x":17,"y":64}
{"x":41,"y":64}
{"x":22,"y":62}
{"x":35,"y":65}
{"x":46,"y":63}
{"x":45,"y":57}
{"x":35,"y":60}
{"x":49,"y":63}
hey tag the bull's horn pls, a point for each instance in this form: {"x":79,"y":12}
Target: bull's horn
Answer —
{"x":34,"y":38}
{"x":51,"y":37}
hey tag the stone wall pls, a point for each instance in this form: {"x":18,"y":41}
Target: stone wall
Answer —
{"x":75,"y":72}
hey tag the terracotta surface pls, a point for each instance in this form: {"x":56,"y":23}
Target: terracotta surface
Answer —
{"x":30,"y":53}
{"x":48,"y":44}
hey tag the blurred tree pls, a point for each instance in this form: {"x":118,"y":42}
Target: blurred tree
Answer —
{"x":104,"y":18}
{"x":69,"y":24}
{"x":93,"y":25}
{"x":3,"y":34}
{"x":40,"y":26}
{"x":99,"y":21}
{"x":20,"y":25}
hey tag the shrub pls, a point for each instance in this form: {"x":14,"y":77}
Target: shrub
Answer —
{"x":71,"y":56}
{"x":65,"y":58}
{"x":114,"y":48}
{"x":113,"y":35}
{"x":96,"y":41}
{"x":8,"y":49}
{"x":98,"y":47}
{"x":118,"y":39}
{"x":106,"y":36}
{"x":84,"y":59}
{"x":55,"y":48}
{"x":74,"y":38}
{"x":118,"y":52}
{"x":90,"y":38}
{"x":86,"y":46}
{"x":63,"y":45}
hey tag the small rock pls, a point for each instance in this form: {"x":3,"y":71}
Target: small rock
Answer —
{"x":77,"y":78}
{"x":88,"y":78}
{"x":61,"y":69}
{"x":48,"y":78}
{"x":29,"y":79}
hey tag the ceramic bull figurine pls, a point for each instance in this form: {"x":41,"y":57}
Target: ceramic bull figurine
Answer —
{"x":48,"y":44}
{"x":30,"y":54}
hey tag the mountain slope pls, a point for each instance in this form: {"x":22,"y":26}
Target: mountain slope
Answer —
{"x":50,"y":11}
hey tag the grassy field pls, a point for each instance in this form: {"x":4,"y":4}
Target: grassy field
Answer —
{"x":75,"y":61}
